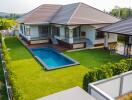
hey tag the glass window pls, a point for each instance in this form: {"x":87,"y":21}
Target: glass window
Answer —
{"x":43,"y":30}
{"x":55,"y":31}
{"x":27,"y":30}
{"x":66,"y":32}
{"x":99,"y":35}
{"x":76,"y":32}
{"x":21,"y":28}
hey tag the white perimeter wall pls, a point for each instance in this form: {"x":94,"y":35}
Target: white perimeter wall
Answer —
{"x":113,"y":87}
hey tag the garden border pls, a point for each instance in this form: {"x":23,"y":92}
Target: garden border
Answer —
{"x":8,"y":86}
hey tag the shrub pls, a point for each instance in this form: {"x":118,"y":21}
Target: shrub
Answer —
{"x":107,"y":71}
{"x":119,"y":68}
{"x":95,"y":75}
{"x":5,"y":53}
{"x":0,"y":37}
{"x":18,"y":94}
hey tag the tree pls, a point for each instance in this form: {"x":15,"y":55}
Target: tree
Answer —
{"x":6,"y":24}
{"x":121,"y":12}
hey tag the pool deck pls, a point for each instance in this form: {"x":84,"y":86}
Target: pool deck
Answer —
{"x":58,"y":47}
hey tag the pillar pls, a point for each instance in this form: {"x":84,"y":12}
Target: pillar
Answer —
{"x":70,"y":36}
{"x":106,"y":40}
{"x":71,"y":33}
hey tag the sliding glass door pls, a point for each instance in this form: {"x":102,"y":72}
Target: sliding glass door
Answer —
{"x":44,"y":31}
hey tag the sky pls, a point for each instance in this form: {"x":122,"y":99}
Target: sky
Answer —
{"x":24,"y":6}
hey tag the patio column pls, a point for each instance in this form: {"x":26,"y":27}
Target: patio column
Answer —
{"x":71,"y":36}
{"x":71,"y":33}
{"x":130,"y":46}
{"x":51,"y":33}
{"x":106,"y":39}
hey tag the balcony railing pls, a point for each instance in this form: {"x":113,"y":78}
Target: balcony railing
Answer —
{"x":75,"y":40}
{"x":39,"y":38}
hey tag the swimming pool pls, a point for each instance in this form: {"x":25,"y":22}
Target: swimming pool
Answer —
{"x":51,"y":58}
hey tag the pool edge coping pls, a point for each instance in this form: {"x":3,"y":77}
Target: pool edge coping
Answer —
{"x":60,"y":53}
{"x":44,"y":65}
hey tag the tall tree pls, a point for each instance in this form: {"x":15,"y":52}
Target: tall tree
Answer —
{"x":121,"y":12}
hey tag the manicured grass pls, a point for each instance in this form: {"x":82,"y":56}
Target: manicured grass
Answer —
{"x":94,"y":57}
{"x":32,"y":80}
{"x":3,"y":94}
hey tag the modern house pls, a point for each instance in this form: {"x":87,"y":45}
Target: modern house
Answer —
{"x":73,"y":25}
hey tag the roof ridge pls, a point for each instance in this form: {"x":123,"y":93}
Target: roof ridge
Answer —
{"x":99,"y":10}
{"x":52,"y":4}
{"x":74,"y":12}
{"x":56,"y":13}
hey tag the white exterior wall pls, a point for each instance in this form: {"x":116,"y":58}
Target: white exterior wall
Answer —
{"x":91,"y":35}
{"x":34,"y":31}
{"x":90,"y":32}
{"x":112,"y":38}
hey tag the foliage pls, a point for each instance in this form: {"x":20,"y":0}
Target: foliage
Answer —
{"x":107,"y":71}
{"x":3,"y":94}
{"x":6,"y":23}
{"x":121,"y":38}
{"x":0,"y":37}
{"x":5,"y":53}
{"x":2,"y":80}
{"x":121,"y":12}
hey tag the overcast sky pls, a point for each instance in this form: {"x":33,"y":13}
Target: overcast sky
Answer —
{"x":23,"y":6}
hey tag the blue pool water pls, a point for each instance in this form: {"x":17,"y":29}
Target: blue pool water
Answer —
{"x":52,"y":59}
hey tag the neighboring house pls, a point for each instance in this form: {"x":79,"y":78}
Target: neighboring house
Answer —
{"x":73,"y":25}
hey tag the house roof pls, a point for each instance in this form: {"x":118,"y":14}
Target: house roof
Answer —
{"x":75,"y":93}
{"x":71,"y":14}
{"x":122,"y":27}
{"x":41,"y":15}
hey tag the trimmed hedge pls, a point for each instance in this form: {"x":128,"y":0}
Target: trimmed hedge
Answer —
{"x":5,"y":53}
{"x":17,"y":92}
{"x":107,"y":71}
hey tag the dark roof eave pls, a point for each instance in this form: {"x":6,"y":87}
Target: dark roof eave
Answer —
{"x":80,"y":24}
{"x":116,"y":33}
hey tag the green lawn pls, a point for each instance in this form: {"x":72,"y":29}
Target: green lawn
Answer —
{"x":34,"y":82}
{"x":3,"y":94}
{"x":94,"y":57}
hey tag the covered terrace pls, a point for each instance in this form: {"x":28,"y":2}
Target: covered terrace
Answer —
{"x":123,"y":27}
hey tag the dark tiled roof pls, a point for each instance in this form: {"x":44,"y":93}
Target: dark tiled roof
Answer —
{"x":42,"y":14}
{"x":77,"y":13}
{"x":121,"y":27}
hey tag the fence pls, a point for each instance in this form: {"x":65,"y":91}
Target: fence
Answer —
{"x":8,"y":86}
{"x":109,"y":89}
